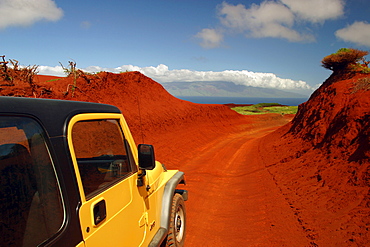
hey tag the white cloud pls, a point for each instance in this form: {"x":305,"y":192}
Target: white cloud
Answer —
{"x":270,"y":19}
{"x":274,"y":19}
{"x":46,"y":70}
{"x":162,"y":73}
{"x":210,"y":38}
{"x":27,"y":12}
{"x":316,"y":10}
{"x":237,"y":16}
{"x":358,"y":33}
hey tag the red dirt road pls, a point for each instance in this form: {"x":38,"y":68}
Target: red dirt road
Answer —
{"x":233,"y":199}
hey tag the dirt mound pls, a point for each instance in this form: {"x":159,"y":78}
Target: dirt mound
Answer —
{"x":320,"y":162}
{"x":151,"y":112}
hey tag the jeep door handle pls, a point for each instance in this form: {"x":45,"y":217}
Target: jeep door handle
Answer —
{"x":100,"y":212}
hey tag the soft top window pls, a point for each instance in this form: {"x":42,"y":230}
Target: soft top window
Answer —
{"x":30,"y":199}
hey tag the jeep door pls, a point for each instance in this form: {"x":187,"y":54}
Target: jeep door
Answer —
{"x":112,"y":212}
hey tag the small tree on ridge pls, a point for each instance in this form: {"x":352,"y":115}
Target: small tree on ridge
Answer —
{"x":345,"y":59}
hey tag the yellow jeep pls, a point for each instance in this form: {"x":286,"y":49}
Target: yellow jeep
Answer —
{"x":71,"y":175}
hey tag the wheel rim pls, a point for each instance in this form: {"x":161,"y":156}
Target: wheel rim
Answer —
{"x":179,"y":224}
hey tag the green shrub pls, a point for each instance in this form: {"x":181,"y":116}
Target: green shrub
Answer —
{"x":344,"y":59}
{"x":362,"y":68}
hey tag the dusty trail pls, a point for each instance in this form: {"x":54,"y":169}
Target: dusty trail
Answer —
{"x":233,"y":198}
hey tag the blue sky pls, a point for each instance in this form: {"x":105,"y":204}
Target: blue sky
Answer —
{"x":275,"y":43}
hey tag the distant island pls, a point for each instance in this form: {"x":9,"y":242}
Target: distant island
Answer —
{"x":224,"y":89}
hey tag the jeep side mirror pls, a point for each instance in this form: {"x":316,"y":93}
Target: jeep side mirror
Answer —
{"x":146,"y":157}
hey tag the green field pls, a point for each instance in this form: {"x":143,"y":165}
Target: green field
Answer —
{"x":264,"y":108}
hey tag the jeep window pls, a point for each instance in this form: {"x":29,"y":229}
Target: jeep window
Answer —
{"x":101,"y":154}
{"x":30,"y":201}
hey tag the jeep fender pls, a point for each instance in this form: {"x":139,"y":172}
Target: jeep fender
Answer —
{"x":169,"y":191}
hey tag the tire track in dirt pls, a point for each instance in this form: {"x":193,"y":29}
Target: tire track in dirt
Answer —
{"x":234,"y":200}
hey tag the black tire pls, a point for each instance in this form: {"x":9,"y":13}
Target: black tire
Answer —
{"x":176,"y":232}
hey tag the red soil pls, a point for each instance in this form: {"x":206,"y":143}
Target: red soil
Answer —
{"x":320,"y":162}
{"x":250,"y":181}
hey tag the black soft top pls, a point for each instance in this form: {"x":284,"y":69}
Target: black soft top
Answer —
{"x":53,"y":114}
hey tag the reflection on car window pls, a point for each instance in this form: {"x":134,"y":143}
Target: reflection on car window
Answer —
{"x":101,"y":154}
{"x":30,"y":201}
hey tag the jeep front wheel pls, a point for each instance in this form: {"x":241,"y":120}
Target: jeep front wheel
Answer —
{"x":176,"y":232}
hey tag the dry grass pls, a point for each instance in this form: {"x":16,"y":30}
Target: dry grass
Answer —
{"x":362,"y":84}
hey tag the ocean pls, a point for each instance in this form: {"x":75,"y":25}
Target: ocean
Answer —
{"x":242,"y":100}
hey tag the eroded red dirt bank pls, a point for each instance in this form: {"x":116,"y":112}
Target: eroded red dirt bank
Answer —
{"x":320,"y":162}
{"x":305,"y":184}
